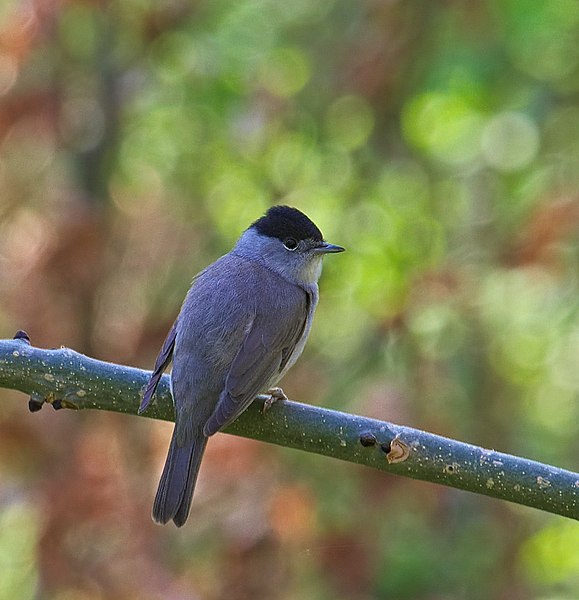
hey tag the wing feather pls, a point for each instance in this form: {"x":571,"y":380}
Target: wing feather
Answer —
{"x":161,"y":364}
{"x":266,"y":348}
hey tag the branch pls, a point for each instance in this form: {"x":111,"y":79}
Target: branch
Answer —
{"x":65,"y":378}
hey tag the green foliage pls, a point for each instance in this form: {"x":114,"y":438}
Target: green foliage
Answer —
{"x":438,"y":142}
{"x":19,"y":529}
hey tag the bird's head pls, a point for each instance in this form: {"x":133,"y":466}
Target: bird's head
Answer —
{"x":286,"y":241}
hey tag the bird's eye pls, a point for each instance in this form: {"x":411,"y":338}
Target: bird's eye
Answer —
{"x":290,"y":243}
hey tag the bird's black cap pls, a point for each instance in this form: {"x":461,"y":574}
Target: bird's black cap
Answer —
{"x":284,"y":221}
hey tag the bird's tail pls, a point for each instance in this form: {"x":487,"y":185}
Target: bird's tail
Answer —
{"x":173,"y":499}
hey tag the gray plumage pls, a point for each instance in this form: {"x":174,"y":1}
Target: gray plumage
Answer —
{"x":243,"y":324}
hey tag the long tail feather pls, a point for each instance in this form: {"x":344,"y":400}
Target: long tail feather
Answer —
{"x":173,"y":499}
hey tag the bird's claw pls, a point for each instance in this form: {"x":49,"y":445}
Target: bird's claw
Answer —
{"x":273,"y":395}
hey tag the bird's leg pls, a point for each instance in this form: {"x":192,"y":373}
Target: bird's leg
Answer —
{"x":273,"y":395}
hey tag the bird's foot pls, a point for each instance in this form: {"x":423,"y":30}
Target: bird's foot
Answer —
{"x":273,"y":395}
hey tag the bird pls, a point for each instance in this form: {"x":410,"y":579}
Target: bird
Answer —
{"x":243,"y":324}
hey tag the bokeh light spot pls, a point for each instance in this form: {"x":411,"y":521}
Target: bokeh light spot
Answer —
{"x":8,"y":73}
{"x":292,"y":162}
{"x":437,"y":329}
{"x":350,"y":121}
{"x":443,"y":125}
{"x":19,"y":531}
{"x":285,"y":72}
{"x":542,"y":39}
{"x":552,"y":554}
{"x":510,"y":141}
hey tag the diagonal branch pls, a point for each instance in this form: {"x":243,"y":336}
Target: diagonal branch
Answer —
{"x":65,"y":378}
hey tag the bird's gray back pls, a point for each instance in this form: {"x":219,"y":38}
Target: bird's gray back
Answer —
{"x":214,"y":320}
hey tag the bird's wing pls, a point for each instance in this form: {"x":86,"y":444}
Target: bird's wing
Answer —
{"x":161,"y":364}
{"x":267,"y":346}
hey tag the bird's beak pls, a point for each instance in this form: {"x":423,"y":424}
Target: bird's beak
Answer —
{"x":326,"y":248}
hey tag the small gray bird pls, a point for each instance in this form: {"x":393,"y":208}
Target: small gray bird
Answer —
{"x":243,"y":324}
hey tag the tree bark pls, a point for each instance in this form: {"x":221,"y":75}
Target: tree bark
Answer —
{"x":67,"y":379}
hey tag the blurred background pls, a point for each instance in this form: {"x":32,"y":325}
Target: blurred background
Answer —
{"x":437,"y":141}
